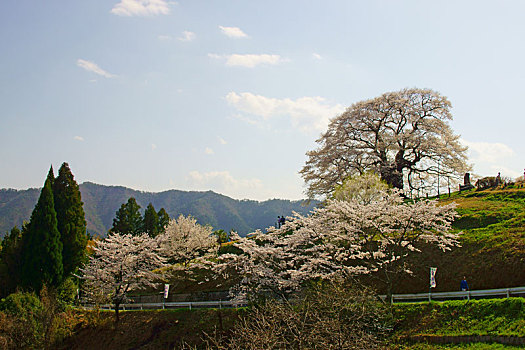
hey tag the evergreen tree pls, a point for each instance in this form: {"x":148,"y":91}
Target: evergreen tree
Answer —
{"x":10,"y":259}
{"x":71,"y":222}
{"x":51,"y":176}
{"x":128,"y":219}
{"x":164,"y":220}
{"x":151,"y":221}
{"x":41,"y":245}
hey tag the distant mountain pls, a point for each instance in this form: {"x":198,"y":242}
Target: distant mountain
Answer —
{"x":101,"y":202}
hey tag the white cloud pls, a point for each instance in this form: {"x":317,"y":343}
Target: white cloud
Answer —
{"x":233,"y":32}
{"x":94,"y":68}
{"x":317,"y":56}
{"x":141,"y":8}
{"x":79,"y":138}
{"x":505,"y":171}
{"x":187,"y":36}
{"x":221,"y":140}
{"x":249,"y":60}
{"x":488,"y":152}
{"x":224,"y":182}
{"x":492,"y":157}
{"x":209,"y":151}
{"x":307,"y":114}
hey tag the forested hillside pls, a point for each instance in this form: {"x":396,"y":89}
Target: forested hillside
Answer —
{"x":101,"y":202}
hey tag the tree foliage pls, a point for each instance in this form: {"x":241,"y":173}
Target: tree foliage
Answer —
{"x":221,"y":236}
{"x":404,"y":136}
{"x":128,"y":219}
{"x":71,"y":222}
{"x":121,"y":263}
{"x":343,"y":238}
{"x":164,"y":220}
{"x":151,"y":221}
{"x":42,"y":248}
{"x":10,"y":261}
{"x":185,"y":240}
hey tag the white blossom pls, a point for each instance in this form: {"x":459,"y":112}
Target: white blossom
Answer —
{"x":185,"y":240}
{"x":343,"y":238}
{"x":121,"y":263}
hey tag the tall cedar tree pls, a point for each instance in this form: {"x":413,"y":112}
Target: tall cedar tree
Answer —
{"x":41,"y":246}
{"x":71,"y":222}
{"x":151,"y":221}
{"x":164,"y":220}
{"x":128,"y":219}
{"x":10,"y":260}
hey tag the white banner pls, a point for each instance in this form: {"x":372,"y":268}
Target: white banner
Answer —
{"x":166,"y":290}
{"x":433,"y":277}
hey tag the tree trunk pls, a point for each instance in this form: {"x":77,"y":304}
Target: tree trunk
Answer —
{"x":392,"y":176}
{"x":117,"y":307}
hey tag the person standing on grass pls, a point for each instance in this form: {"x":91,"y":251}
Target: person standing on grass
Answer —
{"x":464,"y":285}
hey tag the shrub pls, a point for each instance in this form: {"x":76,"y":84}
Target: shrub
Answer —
{"x":325,"y":316}
{"x":20,"y":325}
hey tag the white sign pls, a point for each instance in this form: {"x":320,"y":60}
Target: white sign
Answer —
{"x":166,"y":290}
{"x":433,"y":277}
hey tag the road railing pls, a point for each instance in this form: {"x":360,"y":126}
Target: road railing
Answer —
{"x":469,"y":294}
{"x":219,"y":304}
{"x":395,"y":298}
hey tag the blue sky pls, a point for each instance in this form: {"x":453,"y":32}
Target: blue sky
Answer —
{"x":229,"y":95}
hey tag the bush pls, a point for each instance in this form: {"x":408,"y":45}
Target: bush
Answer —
{"x":67,"y":292}
{"x":325,"y":316}
{"x":20,"y":325}
{"x":29,"y":322}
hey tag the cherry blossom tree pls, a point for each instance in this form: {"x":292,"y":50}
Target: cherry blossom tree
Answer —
{"x":121,"y":263}
{"x":343,"y":238}
{"x":404,"y":136}
{"x":185,"y":240}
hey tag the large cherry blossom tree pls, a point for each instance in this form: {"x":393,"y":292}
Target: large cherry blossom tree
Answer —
{"x":404,"y":136}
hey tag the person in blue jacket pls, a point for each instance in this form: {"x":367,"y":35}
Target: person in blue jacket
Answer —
{"x":464,"y":285}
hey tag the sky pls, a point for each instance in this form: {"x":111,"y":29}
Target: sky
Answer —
{"x":229,"y":95}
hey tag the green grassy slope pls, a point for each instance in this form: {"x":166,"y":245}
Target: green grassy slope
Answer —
{"x":492,"y":252}
{"x":496,"y":318}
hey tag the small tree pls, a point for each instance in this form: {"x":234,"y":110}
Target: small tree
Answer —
{"x":121,"y":263}
{"x":11,"y":261}
{"x":128,"y":219}
{"x":164,"y":220}
{"x":151,"y":221}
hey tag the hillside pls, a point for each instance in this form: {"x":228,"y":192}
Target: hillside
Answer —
{"x":492,"y":252}
{"x":101,"y":202}
{"x":169,"y":329}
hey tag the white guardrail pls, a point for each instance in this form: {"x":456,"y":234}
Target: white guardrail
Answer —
{"x":474,"y":294}
{"x":395,"y":298}
{"x":174,"y":305}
